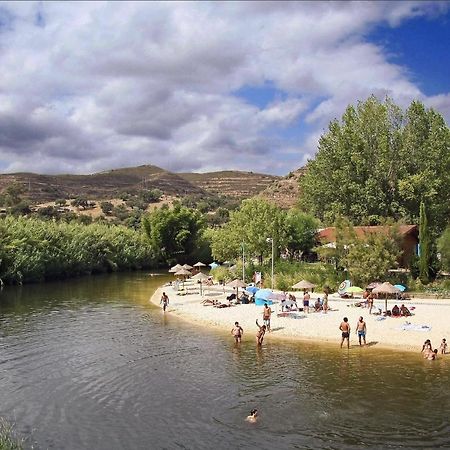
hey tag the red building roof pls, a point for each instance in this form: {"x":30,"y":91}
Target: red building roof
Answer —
{"x":327,"y":235}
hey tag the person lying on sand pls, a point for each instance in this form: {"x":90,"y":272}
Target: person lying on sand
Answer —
{"x":208,"y":301}
{"x":253,"y":416}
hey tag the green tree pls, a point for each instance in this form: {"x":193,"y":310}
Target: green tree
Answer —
{"x":425,"y":244}
{"x":444,"y":249}
{"x":377,"y":162}
{"x":254,"y":222}
{"x":173,"y":231}
{"x":80,"y":202}
{"x":12,"y":194}
{"x":301,"y":231}
{"x":370,"y":259}
{"x":106,"y":207}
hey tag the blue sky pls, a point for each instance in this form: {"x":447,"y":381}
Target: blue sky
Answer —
{"x":204,"y":86}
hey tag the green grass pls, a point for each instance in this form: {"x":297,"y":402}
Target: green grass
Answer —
{"x":8,"y":440}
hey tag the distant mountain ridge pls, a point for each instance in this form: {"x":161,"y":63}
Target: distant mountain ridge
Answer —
{"x":109,"y":184}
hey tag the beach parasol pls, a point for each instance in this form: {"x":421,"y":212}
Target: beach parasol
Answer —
{"x":373,"y":285}
{"x":236,"y":283}
{"x":401,"y":287}
{"x":386,"y":288}
{"x":263,"y":294}
{"x":252,"y":289}
{"x":199,"y":264}
{"x":213,"y":265}
{"x":200,"y":277}
{"x":303,"y":285}
{"x":175,"y":268}
{"x":187,"y":267}
{"x":279,"y":296}
{"x":183,"y":272}
{"x":354,"y":290}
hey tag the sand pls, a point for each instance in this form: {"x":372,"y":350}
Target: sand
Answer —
{"x":317,"y":326}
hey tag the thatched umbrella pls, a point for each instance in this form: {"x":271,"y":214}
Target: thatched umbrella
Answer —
{"x":303,"y":285}
{"x":199,"y":264}
{"x":175,"y":268}
{"x":200,"y":277}
{"x":187,"y":267}
{"x":183,"y":273}
{"x":385,"y":288}
{"x":236,"y":283}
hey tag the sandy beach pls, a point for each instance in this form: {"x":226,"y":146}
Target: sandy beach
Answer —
{"x":430,"y":320}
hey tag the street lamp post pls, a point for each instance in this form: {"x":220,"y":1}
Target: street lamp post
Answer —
{"x":271,"y":240}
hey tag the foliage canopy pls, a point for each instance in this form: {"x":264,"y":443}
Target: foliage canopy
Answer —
{"x":379,"y":162}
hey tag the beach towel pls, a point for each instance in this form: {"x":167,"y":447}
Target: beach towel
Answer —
{"x":413,"y":327}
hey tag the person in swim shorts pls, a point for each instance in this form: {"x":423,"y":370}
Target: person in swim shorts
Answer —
{"x":345,"y":328}
{"x":237,"y":332}
{"x":266,"y":316}
{"x":164,"y":301}
{"x":361,"y":329}
{"x":306,"y":298}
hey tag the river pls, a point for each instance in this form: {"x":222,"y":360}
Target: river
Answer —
{"x":90,"y":364}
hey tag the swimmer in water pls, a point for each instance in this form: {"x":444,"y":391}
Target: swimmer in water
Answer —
{"x":253,"y":416}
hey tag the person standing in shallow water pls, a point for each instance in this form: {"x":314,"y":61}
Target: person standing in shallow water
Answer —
{"x":164,"y":301}
{"x":237,"y":332}
{"x":260,"y":334}
{"x":345,"y":328}
{"x":361,"y":329}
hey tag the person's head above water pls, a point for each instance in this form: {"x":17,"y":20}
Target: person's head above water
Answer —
{"x":254,"y":412}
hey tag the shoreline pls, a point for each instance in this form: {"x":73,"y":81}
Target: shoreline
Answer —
{"x":316,"y":327}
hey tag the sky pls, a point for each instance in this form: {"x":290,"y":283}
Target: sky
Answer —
{"x":204,"y":86}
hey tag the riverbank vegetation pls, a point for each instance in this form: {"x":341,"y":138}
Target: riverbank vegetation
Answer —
{"x":37,"y":250}
{"x":8,"y":440}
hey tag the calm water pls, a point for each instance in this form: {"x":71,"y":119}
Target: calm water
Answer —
{"x":89,"y":364}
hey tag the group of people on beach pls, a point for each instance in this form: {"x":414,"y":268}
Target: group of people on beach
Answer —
{"x":429,"y":353}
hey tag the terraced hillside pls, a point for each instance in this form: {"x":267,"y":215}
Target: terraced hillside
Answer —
{"x":285,"y":191}
{"x":231,"y":183}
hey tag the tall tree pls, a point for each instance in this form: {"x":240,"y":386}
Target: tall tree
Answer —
{"x":424,"y":239}
{"x":444,"y":249}
{"x":173,"y":232}
{"x":253,"y":223}
{"x":376,"y":162}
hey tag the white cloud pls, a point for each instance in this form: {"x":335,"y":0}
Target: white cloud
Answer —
{"x":90,"y":86}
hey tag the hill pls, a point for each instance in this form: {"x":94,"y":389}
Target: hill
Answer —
{"x":284,"y":191}
{"x":230,"y":183}
{"x":110,"y":184}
